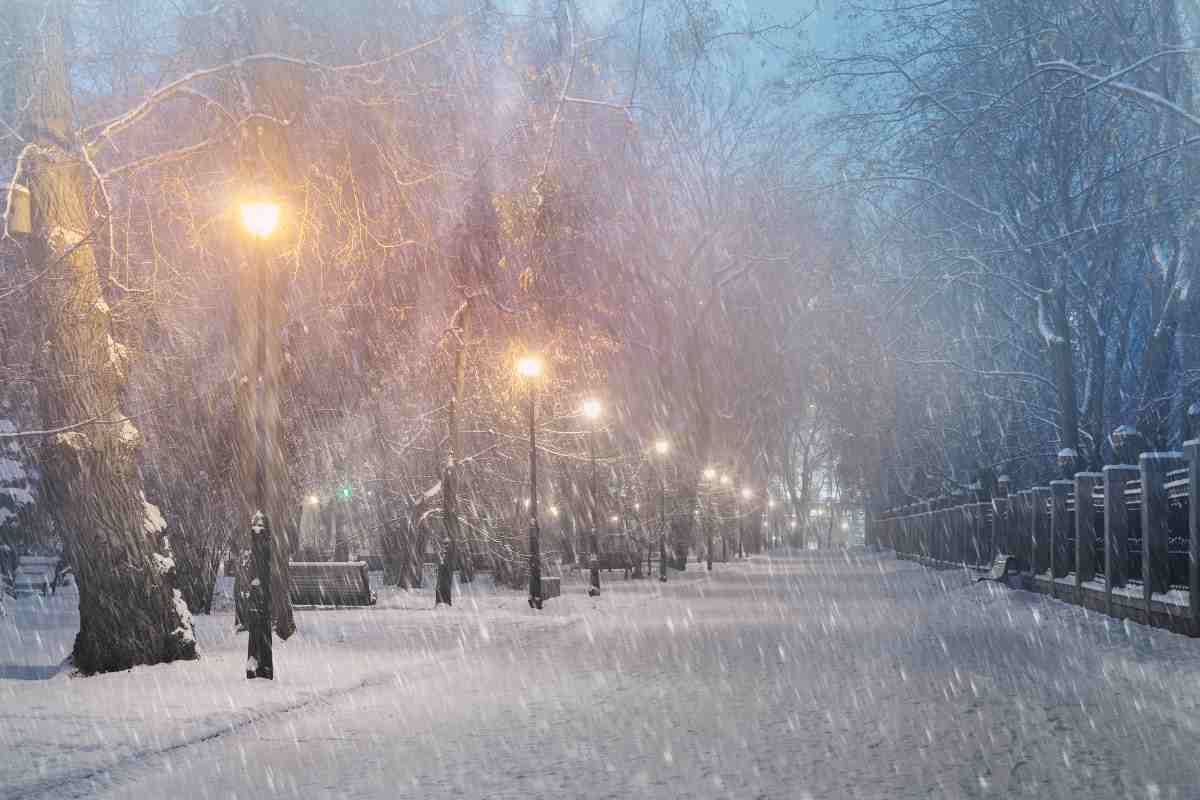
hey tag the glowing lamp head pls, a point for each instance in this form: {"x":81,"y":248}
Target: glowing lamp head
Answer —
{"x":313,"y":500}
{"x":662,"y":447}
{"x":614,"y":519}
{"x":260,"y":218}
{"x":747,"y":493}
{"x":770,"y":504}
{"x":726,"y":480}
{"x":709,"y":474}
{"x":554,"y":511}
{"x":592,"y":408}
{"x":637,"y":506}
{"x":529,"y":366}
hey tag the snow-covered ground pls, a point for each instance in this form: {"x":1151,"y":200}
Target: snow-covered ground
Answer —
{"x":813,"y":676}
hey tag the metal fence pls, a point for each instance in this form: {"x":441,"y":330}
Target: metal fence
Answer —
{"x":1128,"y":532}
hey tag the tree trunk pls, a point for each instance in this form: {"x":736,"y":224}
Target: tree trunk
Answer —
{"x":1062,"y":359}
{"x":461,"y":328}
{"x":129,"y":609}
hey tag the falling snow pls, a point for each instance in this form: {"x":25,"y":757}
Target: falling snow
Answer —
{"x":452,"y":339}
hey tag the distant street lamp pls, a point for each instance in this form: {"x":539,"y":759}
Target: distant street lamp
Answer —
{"x":747,"y":495}
{"x":530,"y":368}
{"x":259,"y":218}
{"x":592,"y":410}
{"x":662,"y":448}
{"x":709,"y":475}
{"x":770,"y":523}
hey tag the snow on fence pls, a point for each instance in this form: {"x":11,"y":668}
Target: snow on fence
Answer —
{"x":1125,"y":541}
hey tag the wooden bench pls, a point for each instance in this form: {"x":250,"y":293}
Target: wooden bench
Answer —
{"x":551,"y":587}
{"x":329,"y":583}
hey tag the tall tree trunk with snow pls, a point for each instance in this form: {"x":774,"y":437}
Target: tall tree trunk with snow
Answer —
{"x":1055,"y":328}
{"x":460,"y":328}
{"x":129,"y":610}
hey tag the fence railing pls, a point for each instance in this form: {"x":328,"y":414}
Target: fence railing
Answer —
{"x":1125,"y":540}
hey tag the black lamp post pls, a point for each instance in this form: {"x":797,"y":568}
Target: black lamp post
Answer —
{"x":530,"y":368}
{"x":661,"y":448}
{"x":726,"y":481}
{"x":747,"y":494}
{"x":710,"y":475}
{"x":592,"y":410}
{"x":260,"y":218}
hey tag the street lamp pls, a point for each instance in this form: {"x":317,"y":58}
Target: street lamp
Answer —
{"x":592,"y":410}
{"x":260,"y":218}
{"x":661,"y":448}
{"x":747,"y":495}
{"x":530,"y":368}
{"x":770,"y":522}
{"x":710,"y":476}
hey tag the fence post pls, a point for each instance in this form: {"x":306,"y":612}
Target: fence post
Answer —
{"x":981,"y":548}
{"x":937,"y":536}
{"x":1192,"y":450}
{"x":1060,"y":531}
{"x":1040,"y":529}
{"x":1116,"y":529}
{"x":1022,"y":528}
{"x":1156,"y":565}
{"x":1002,"y":512}
{"x":927,"y":530}
{"x":1085,"y":527}
{"x":962,"y":527}
{"x":1001,"y":517}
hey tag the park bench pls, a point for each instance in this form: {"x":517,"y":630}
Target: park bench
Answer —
{"x":551,"y":587}
{"x":329,"y":583}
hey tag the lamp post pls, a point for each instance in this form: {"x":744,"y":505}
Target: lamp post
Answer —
{"x":710,"y":475}
{"x":661,"y":448}
{"x":530,"y":368}
{"x":747,"y":495}
{"x":725,"y":481}
{"x":259,"y":219}
{"x":592,"y":410}
{"x":770,"y":524}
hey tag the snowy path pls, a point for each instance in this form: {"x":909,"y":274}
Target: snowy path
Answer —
{"x":790,"y":678}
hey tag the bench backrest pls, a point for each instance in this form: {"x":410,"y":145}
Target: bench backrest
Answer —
{"x":329,"y":583}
